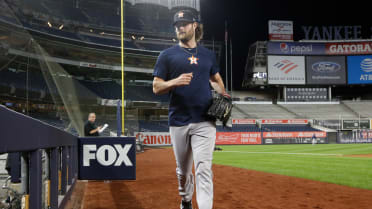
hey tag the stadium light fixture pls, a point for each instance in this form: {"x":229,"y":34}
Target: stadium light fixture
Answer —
{"x":91,"y":30}
{"x":133,"y":37}
{"x":49,"y":24}
{"x":61,"y":27}
{"x":141,"y":38}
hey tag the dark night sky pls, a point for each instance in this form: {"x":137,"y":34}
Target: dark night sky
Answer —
{"x":247,"y":21}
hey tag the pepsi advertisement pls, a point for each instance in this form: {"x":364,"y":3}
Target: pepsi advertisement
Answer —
{"x":359,"y":69}
{"x":107,"y":158}
{"x":325,"y":70}
{"x":295,"y":48}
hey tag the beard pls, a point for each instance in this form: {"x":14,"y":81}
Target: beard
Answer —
{"x":184,"y":37}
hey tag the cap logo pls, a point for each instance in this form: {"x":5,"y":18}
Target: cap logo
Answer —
{"x":180,"y":14}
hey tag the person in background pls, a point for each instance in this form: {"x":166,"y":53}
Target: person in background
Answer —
{"x":90,"y":128}
{"x":314,"y":139}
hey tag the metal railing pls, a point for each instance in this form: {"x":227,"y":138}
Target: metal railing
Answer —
{"x":39,"y":150}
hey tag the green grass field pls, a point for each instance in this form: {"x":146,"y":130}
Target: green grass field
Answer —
{"x":322,"y":162}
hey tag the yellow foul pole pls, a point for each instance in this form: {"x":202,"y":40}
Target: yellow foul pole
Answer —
{"x":122,"y":66}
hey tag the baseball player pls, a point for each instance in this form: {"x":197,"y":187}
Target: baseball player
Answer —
{"x":313,"y":139}
{"x":186,"y":73}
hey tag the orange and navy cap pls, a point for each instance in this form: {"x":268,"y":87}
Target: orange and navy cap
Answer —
{"x":185,"y":16}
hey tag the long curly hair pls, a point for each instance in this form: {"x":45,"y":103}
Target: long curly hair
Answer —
{"x":199,"y":32}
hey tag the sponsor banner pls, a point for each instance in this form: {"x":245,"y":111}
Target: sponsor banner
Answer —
{"x":286,"y":69}
{"x":306,"y":94}
{"x":294,"y":141}
{"x":355,"y":124}
{"x":349,"y":48}
{"x":280,"y":30}
{"x":358,"y":136}
{"x":163,"y":138}
{"x":154,"y":138}
{"x":325,"y":70}
{"x":295,"y":48}
{"x":359,"y":69}
{"x":280,"y":37}
{"x":107,"y":158}
{"x":299,"y":134}
{"x":279,"y":121}
{"x":238,"y":138}
{"x":365,"y":134}
{"x":244,"y":121}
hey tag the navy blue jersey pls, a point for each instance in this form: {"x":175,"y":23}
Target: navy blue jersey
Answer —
{"x":188,"y":104}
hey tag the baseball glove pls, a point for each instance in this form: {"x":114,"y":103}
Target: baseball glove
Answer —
{"x":220,"y":108}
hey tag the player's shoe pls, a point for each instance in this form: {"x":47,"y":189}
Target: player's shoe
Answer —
{"x":186,"y":205}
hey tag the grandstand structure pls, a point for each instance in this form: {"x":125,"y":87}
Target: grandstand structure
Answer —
{"x":323,"y":82}
{"x":82,"y":38}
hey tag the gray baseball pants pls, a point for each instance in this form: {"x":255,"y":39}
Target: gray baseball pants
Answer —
{"x":195,"y":143}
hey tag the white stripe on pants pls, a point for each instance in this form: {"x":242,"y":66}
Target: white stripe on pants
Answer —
{"x":195,"y":142}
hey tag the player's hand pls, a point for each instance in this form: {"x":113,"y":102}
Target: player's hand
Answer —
{"x":183,"y":80}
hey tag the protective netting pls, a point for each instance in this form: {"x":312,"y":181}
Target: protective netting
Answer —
{"x":61,"y":60}
{"x":53,"y":80}
{"x":66,"y":91}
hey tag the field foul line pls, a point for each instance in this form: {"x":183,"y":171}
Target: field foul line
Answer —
{"x":284,"y":153}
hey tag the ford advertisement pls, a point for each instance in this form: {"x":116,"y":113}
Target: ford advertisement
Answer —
{"x":325,"y":70}
{"x":359,"y":69}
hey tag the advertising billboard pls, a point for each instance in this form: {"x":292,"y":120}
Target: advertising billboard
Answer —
{"x":236,"y":121}
{"x":308,"y":48}
{"x":280,"y":30}
{"x":154,"y":138}
{"x":238,"y":138}
{"x":359,"y":69}
{"x":357,"y":136}
{"x":309,"y":134}
{"x":285,"y":121}
{"x":349,"y":48}
{"x":286,"y":69}
{"x":107,"y":158}
{"x":325,"y":70}
{"x":295,"y":48}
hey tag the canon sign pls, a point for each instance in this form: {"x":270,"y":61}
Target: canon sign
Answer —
{"x":154,"y":138}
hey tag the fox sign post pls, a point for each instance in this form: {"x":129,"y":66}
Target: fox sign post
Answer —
{"x":107,"y":158}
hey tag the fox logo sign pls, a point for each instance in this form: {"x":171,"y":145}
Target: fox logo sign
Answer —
{"x":107,"y":158}
{"x":117,"y":155}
